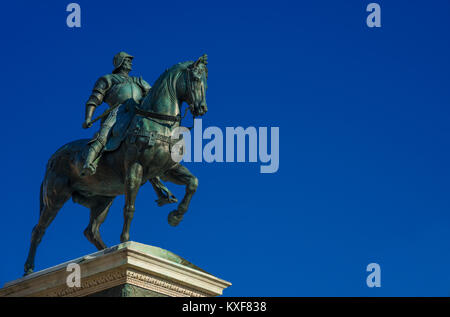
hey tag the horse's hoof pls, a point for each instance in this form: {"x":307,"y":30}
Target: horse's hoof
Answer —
{"x":174,"y":219}
{"x":28,"y":272}
{"x":124,"y":239}
{"x":165,"y":200}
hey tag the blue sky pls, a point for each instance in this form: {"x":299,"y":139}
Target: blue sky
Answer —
{"x":364,"y":138}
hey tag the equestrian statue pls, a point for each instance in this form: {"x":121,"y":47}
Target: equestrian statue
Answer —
{"x":134,"y":145}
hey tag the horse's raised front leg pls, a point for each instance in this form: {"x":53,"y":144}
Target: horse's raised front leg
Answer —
{"x":182,"y":176}
{"x":132,"y":183}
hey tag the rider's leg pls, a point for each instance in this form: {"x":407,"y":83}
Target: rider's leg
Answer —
{"x":94,"y":150}
{"x":98,"y":144}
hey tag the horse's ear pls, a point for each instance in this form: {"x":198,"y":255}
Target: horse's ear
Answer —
{"x":201,"y":60}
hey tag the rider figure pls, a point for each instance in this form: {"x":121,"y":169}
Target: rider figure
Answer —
{"x":115,"y":89}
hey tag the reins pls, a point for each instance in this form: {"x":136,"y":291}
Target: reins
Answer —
{"x":171,"y":118}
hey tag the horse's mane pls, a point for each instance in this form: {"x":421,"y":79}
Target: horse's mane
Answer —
{"x":167,"y":81}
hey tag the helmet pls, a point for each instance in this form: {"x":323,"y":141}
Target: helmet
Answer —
{"x":118,"y":60}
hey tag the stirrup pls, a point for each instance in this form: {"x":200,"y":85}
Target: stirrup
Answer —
{"x":88,"y":170}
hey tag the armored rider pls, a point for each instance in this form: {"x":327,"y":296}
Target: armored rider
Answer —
{"x":114,"y":89}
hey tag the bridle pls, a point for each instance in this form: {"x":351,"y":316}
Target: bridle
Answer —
{"x":191,"y":88}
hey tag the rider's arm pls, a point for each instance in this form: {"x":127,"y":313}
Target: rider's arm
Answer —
{"x":98,"y":93}
{"x":90,"y":108}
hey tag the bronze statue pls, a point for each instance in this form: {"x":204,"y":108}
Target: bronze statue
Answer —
{"x":137,"y":148}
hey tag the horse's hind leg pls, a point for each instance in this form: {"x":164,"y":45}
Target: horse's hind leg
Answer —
{"x":99,"y":210}
{"x":53,"y":197}
{"x":182,"y":176}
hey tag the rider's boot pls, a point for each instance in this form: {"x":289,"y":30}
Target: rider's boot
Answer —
{"x":89,"y":167}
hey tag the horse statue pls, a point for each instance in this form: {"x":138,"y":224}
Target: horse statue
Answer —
{"x":144,"y":152}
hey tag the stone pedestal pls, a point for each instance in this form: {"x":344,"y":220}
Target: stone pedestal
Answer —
{"x":129,"y":269}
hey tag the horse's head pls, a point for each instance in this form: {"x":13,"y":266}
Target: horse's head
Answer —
{"x":197,"y":75}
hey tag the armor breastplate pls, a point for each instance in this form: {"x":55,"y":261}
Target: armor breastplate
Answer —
{"x":122,"y":91}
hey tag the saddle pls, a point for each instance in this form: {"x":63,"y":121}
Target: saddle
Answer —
{"x":125,"y":115}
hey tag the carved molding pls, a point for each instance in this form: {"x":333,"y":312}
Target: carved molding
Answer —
{"x":89,"y":285}
{"x":161,"y":286}
{"x":107,"y":280}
